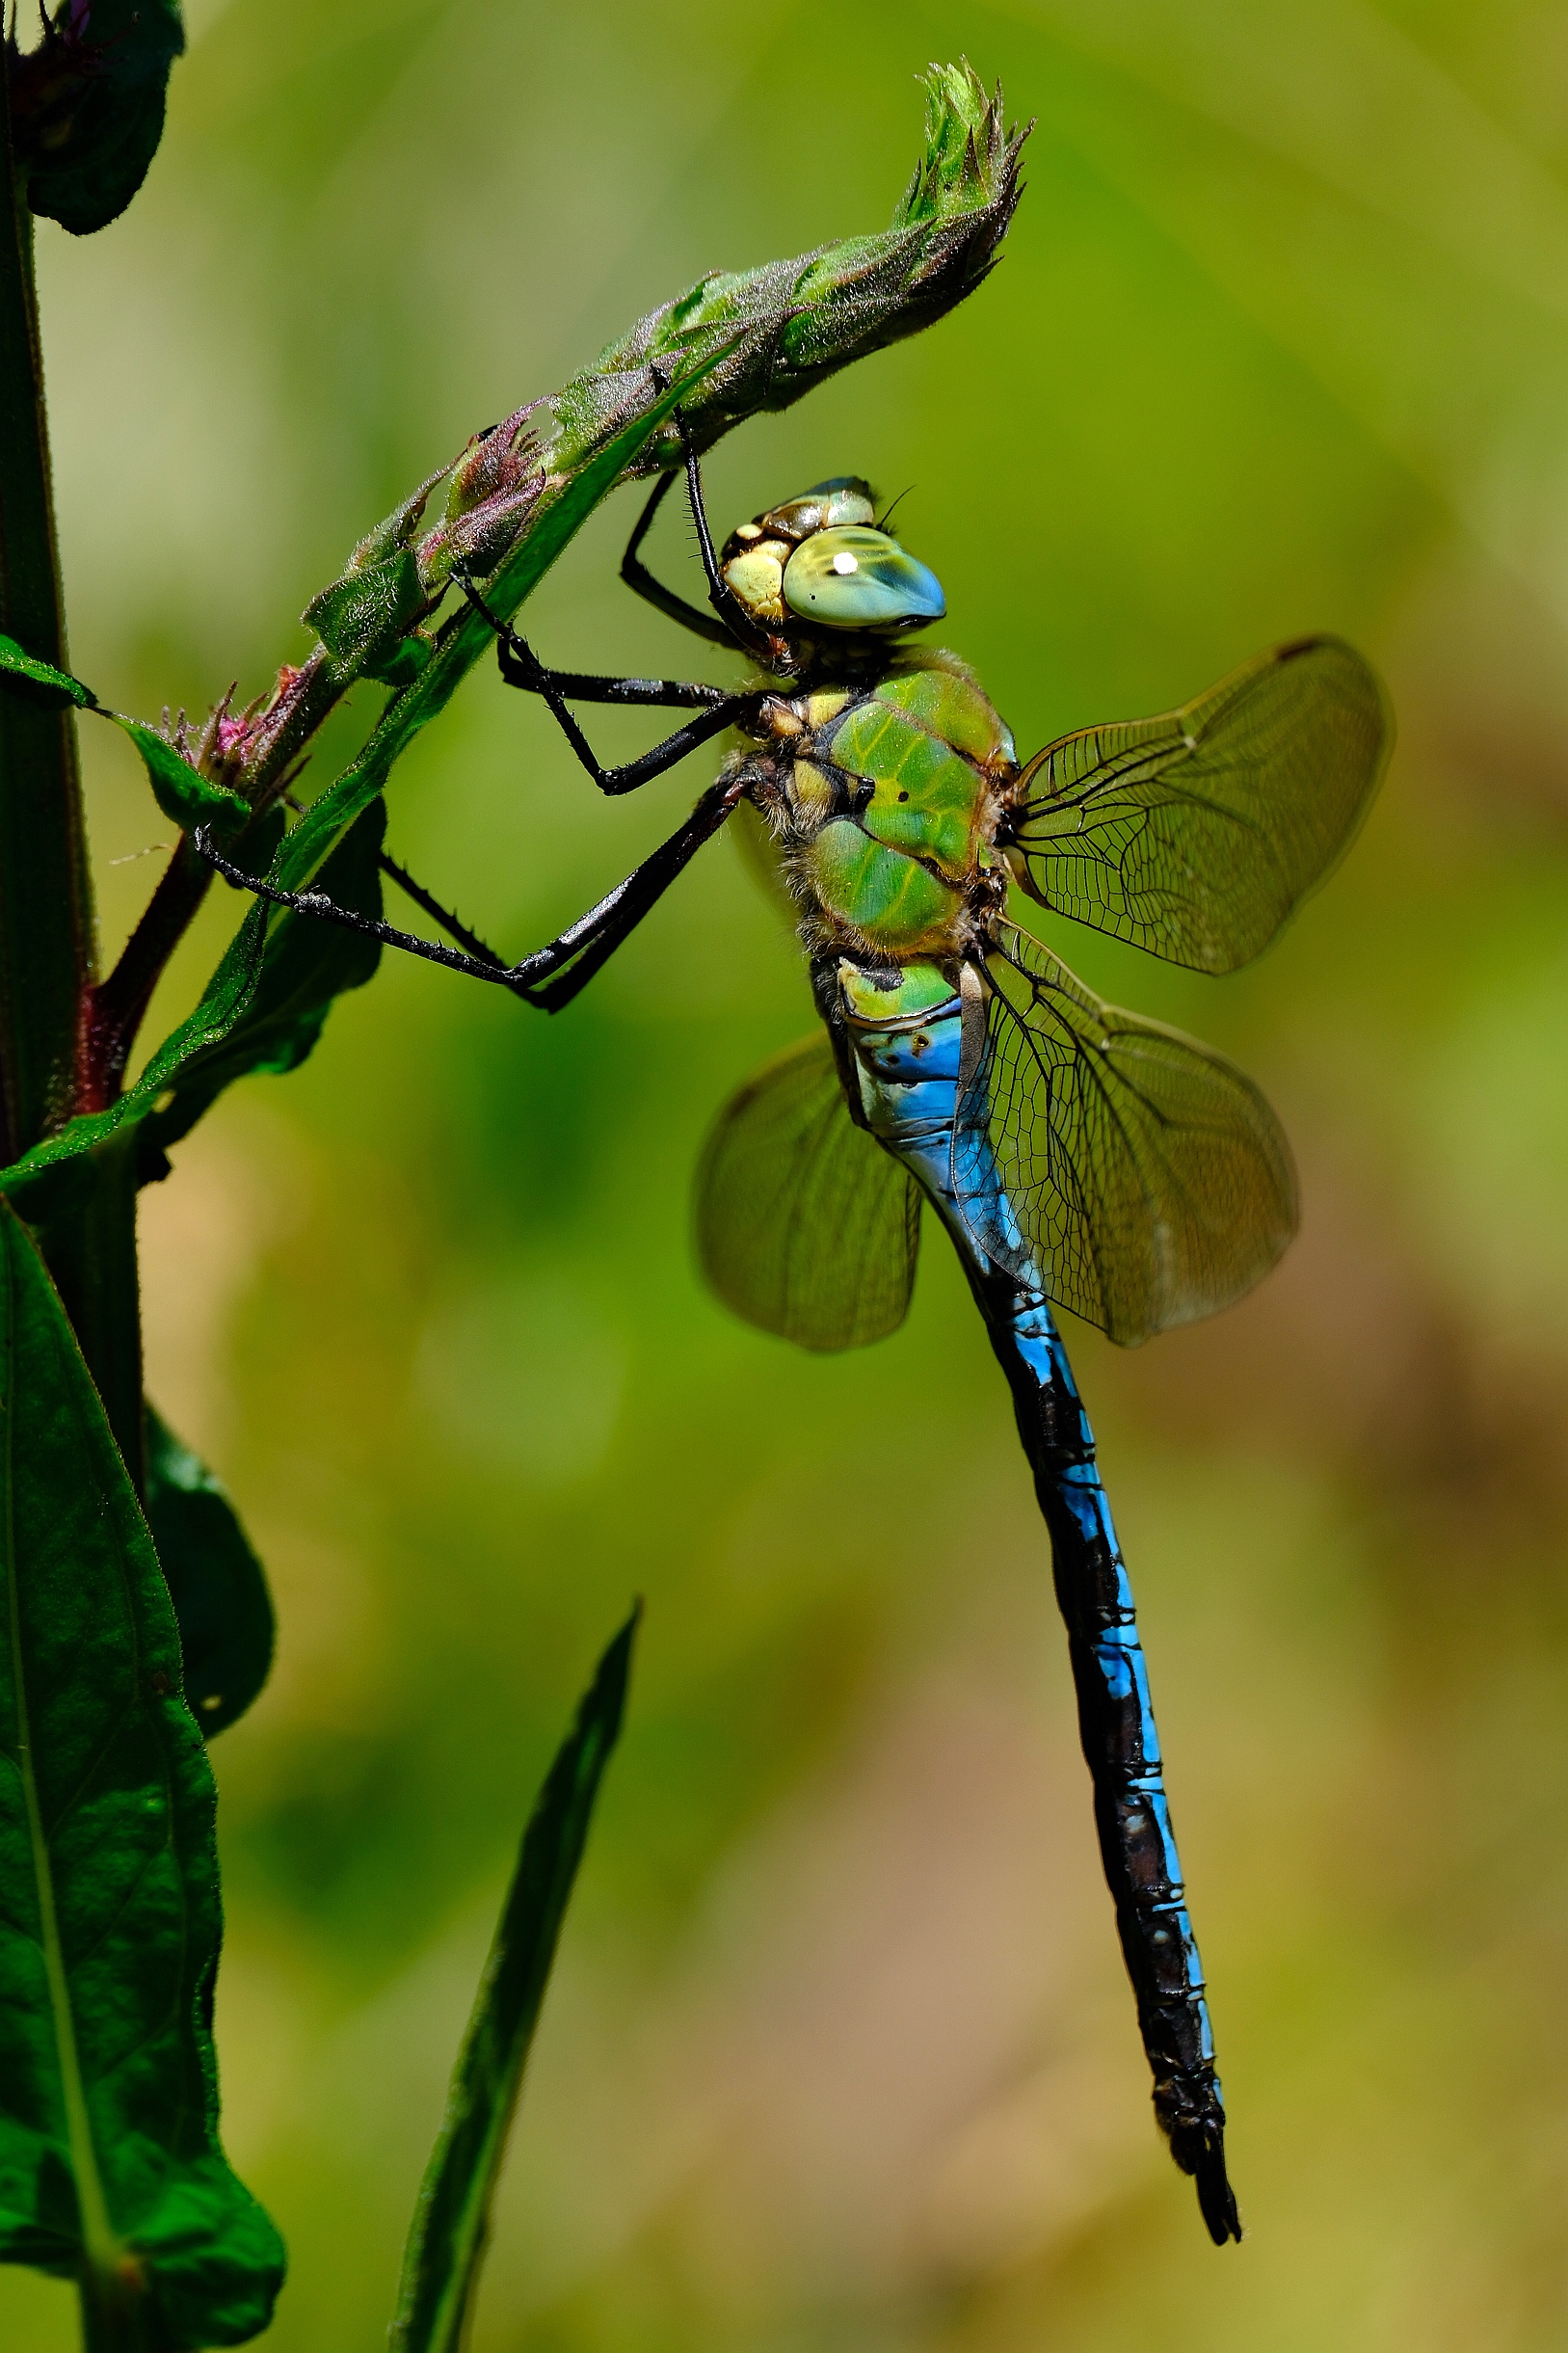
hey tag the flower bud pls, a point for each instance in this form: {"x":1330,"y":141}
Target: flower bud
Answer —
{"x":495,"y":485}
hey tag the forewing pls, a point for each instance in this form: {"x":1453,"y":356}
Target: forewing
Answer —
{"x":803,"y":1224}
{"x":1196,"y":834}
{"x":1142,"y":1174}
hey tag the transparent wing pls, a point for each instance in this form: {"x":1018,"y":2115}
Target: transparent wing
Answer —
{"x":1196,"y":834}
{"x":1145,"y":1178}
{"x":803,"y":1224}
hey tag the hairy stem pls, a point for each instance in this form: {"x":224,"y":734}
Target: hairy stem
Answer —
{"x":119,"y":1000}
{"x":47,"y":931}
{"x":46,"y":927}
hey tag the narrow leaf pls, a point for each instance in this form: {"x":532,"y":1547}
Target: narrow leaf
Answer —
{"x":451,"y":2221}
{"x":264,"y":1006}
{"x":110,"y":2161}
{"x":41,"y":681}
{"x":186,"y":798}
{"x":215,"y":1581}
{"x":305,"y":967}
{"x":466,"y":637}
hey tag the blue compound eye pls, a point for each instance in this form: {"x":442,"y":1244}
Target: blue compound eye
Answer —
{"x":855,"y":579}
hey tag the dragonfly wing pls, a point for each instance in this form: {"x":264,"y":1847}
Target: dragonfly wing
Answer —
{"x":1141,"y":1174}
{"x":803,"y":1224}
{"x":1196,"y":834}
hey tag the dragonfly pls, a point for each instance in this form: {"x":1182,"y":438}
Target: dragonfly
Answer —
{"x":1079,"y":1157}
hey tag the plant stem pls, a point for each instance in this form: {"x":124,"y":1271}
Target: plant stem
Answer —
{"x":90,"y":1249}
{"x":114,"y":2318}
{"x":46,"y":929}
{"x":122,"y":996}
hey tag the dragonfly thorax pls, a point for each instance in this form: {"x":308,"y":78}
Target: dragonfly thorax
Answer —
{"x":884,"y":803}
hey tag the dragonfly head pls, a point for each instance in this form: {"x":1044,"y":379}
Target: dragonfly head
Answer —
{"x":820,"y":560}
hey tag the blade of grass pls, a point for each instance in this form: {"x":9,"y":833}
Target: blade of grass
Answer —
{"x":451,"y":2220}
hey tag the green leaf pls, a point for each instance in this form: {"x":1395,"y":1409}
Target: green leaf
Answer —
{"x":186,"y":798}
{"x":305,"y":965}
{"x":88,"y":107}
{"x":264,"y":1006}
{"x":402,"y":665}
{"x":215,"y":1581}
{"x":87,"y":1241}
{"x":41,"y":681}
{"x":110,"y":2161}
{"x":451,"y":2221}
{"x":362,"y":618}
{"x":262,"y":1010}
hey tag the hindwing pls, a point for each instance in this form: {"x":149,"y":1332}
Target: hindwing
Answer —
{"x":805,"y":1225}
{"x":1139,"y":1173}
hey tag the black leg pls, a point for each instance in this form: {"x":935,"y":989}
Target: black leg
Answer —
{"x":737,"y":622}
{"x":553,"y":976}
{"x":521,"y":667}
{"x":642,"y":583}
{"x":589,"y":943}
{"x":453,"y":926}
{"x":636,"y":693}
{"x":482,"y":963}
{"x":534,"y":677}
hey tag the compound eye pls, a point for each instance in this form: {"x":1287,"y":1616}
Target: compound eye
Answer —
{"x":855,"y":579}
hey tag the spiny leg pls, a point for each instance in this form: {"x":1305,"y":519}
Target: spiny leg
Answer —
{"x":555,"y":975}
{"x":452,"y":925}
{"x":642,"y":583}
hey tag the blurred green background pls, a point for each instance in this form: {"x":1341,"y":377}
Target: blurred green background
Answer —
{"x":840,"y":2053}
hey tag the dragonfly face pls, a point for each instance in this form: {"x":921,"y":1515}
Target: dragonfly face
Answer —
{"x":817,"y":570}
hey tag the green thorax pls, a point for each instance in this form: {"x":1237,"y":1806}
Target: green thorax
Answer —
{"x":886,"y":803}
